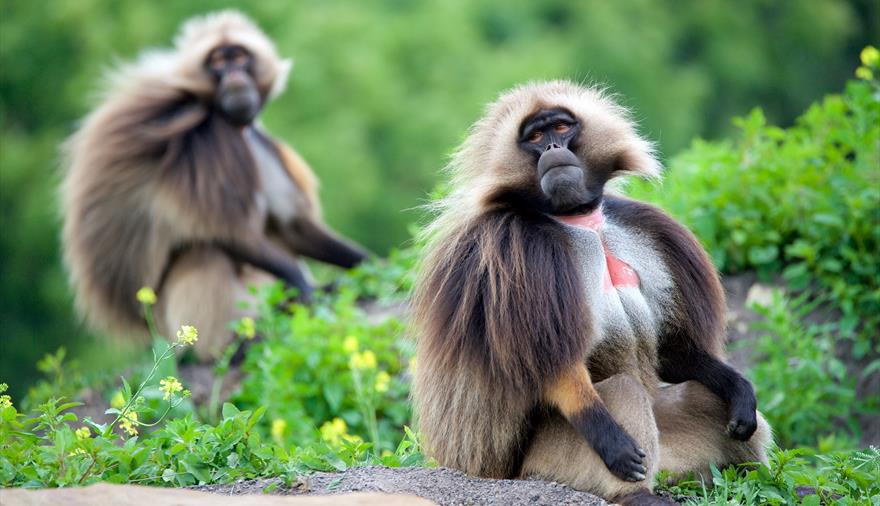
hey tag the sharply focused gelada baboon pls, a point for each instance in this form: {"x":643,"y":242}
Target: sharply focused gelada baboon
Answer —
{"x":548,"y":311}
{"x":171,"y":184}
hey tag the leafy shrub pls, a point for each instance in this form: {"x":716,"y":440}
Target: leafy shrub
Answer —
{"x":47,"y":449}
{"x":44,"y":450}
{"x":804,"y":201}
{"x":802,"y":387}
{"x":329,"y":370}
{"x":793,"y":477}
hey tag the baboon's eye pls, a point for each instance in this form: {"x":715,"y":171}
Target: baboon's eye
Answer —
{"x":561,"y":127}
{"x":217,"y":61}
{"x":536,"y":136}
{"x":240,"y":58}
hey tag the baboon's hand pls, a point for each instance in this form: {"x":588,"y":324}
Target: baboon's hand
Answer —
{"x":622,"y":456}
{"x":620,"y":453}
{"x":742,"y":412}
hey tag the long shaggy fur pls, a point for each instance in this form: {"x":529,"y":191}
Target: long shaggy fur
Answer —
{"x":153,"y":169}
{"x":500,"y":309}
{"x":504,"y":298}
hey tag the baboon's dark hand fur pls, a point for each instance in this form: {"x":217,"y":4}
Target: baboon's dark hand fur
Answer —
{"x":615,"y":447}
{"x":742,"y":410}
{"x":721,"y":379}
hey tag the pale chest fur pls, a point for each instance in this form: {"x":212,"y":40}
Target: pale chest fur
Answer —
{"x":277,"y":195}
{"x":634,"y":306}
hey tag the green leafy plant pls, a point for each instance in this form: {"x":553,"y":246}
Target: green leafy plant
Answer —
{"x":333,"y":367}
{"x":802,"y":201}
{"x":44,"y":449}
{"x":804,"y":390}
{"x":793,"y":477}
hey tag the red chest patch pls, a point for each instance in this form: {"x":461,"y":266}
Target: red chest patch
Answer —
{"x":617,"y":272}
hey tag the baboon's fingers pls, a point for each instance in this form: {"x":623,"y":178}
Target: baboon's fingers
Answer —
{"x":742,"y":428}
{"x":574,"y":395}
{"x":742,"y":411}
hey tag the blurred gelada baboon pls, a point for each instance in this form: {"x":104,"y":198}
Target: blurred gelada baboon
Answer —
{"x":171,"y":184}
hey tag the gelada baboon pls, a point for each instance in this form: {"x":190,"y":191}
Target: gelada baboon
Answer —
{"x":171,"y":184}
{"x":547,"y":311}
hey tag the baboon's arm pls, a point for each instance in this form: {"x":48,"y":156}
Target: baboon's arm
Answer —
{"x":576,"y":398}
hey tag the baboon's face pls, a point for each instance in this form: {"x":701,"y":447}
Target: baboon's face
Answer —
{"x":237,"y":95}
{"x":553,"y":146}
{"x":551,"y":137}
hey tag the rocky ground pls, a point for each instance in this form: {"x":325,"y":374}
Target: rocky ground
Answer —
{"x":442,"y":486}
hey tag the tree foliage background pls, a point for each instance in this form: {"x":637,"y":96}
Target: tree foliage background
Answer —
{"x":383,"y":90}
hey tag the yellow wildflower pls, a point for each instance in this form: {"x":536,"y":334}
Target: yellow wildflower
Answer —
{"x":129,"y":423}
{"x":118,"y":400}
{"x":369,"y":359}
{"x":864,"y":73}
{"x":170,"y":386}
{"x":365,"y":360}
{"x":78,"y":451}
{"x":333,"y":430}
{"x":146,"y":296}
{"x":248,"y":327}
{"x":870,"y":56}
{"x":279,"y":426}
{"x":187,"y":335}
{"x":382,"y":381}
{"x":352,"y":438}
{"x":350,"y":345}
{"x":5,"y":400}
{"x":83,"y":433}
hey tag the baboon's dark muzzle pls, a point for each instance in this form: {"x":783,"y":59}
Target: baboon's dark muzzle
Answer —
{"x":562,"y":178}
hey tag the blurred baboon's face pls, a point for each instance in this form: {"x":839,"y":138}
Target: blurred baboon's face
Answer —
{"x":237,"y":95}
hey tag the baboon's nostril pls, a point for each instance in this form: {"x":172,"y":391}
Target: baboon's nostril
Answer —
{"x":552,"y":145}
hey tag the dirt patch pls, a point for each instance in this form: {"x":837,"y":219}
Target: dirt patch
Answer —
{"x":441,"y":485}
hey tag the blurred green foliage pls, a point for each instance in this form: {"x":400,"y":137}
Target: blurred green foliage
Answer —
{"x":330,"y":363}
{"x":383,"y":90}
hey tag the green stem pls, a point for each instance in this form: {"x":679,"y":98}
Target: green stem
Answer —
{"x":148,"y":315}
{"x":220,"y":371}
{"x":367,"y":410}
{"x":88,"y":470}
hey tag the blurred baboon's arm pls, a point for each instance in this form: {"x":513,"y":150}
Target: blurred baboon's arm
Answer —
{"x":314,"y":239}
{"x":263,"y":254}
{"x":303,"y":231}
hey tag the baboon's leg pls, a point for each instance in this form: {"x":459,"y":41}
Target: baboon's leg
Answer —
{"x":558,"y":452}
{"x":693,"y":432}
{"x":203,"y":288}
